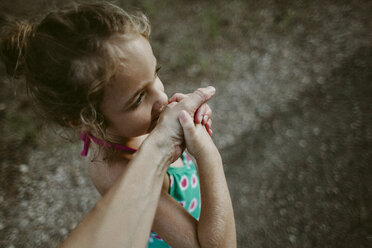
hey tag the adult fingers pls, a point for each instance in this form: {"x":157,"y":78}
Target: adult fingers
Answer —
{"x":196,"y":99}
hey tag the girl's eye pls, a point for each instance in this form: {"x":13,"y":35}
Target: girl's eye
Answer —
{"x":138,"y":101}
{"x":157,"y":70}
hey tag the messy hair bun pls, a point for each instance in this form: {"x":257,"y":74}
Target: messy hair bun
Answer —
{"x":68,"y":57}
{"x":13,"y":46}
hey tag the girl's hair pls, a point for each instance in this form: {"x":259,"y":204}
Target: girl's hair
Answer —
{"x":68,"y":57}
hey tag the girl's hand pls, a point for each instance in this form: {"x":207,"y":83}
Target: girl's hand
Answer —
{"x":197,"y":139}
{"x":168,"y":133}
{"x":202,"y":116}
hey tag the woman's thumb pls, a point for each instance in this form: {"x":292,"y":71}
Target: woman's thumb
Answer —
{"x":196,"y":99}
{"x":187,"y":123}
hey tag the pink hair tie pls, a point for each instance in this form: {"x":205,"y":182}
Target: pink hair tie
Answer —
{"x":86,"y":137}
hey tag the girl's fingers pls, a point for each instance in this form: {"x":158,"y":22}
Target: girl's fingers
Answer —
{"x":171,"y":105}
{"x":177,"y":97}
{"x":186,"y":123}
{"x":208,"y":127}
{"x":209,"y":123}
{"x":208,"y":112}
{"x":199,"y":115}
{"x":210,"y":132}
{"x":203,"y":114}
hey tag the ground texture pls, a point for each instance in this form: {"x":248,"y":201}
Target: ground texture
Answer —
{"x":292,"y":118}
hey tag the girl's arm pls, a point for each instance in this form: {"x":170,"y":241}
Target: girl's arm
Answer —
{"x":216,"y":226}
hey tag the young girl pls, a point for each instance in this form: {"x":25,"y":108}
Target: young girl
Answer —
{"x":91,"y":67}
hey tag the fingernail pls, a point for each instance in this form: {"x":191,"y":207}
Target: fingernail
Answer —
{"x":205,"y":118}
{"x":211,"y":88}
{"x":200,"y":118}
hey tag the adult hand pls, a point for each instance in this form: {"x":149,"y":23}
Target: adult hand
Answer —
{"x":203,"y":113}
{"x":169,"y":129}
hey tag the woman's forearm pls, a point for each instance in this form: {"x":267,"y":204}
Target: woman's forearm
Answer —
{"x":216,"y":227}
{"x":123,"y":217}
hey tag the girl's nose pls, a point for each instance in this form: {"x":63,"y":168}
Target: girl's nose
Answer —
{"x":160,"y":103}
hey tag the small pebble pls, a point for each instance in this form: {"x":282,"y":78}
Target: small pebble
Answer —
{"x":63,"y":231}
{"x":2,"y":106}
{"x":316,"y":131}
{"x":303,"y":143}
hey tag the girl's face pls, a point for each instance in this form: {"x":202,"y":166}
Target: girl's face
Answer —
{"x":135,"y":97}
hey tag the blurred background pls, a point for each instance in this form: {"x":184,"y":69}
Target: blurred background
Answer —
{"x":292,"y":118}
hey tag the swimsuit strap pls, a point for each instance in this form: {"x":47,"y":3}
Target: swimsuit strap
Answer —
{"x":87,"y":138}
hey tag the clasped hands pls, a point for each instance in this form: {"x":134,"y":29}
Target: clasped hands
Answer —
{"x":194,"y":104}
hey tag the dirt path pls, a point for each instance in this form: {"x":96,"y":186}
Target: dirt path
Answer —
{"x":292,"y":117}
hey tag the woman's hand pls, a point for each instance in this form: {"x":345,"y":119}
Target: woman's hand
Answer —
{"x":202,"y":116}
{"x":168,"y":133}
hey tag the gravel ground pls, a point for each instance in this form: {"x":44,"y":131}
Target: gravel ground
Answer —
{"x":292,"y":119}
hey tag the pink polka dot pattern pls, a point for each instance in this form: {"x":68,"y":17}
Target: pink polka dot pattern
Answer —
{"x":157,"y":237}
{"x":193,"y":205}
{"x":194,"y":181}
{"x":188,"y":161}
{"x":184,"y":182}
{"x":188,"y":157}
{"x":182,"y":203}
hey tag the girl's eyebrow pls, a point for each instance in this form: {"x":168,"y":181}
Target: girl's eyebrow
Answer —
{"x":141,"y":89}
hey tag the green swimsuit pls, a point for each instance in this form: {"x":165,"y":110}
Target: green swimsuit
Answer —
{"x":185,"y":188}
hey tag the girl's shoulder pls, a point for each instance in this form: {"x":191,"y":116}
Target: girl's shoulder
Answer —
{"x":104,"y":175}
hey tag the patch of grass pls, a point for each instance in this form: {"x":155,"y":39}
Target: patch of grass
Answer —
{"x":211,"y":22}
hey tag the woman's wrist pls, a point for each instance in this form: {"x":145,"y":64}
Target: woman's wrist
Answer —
{"x":161,"y":146}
